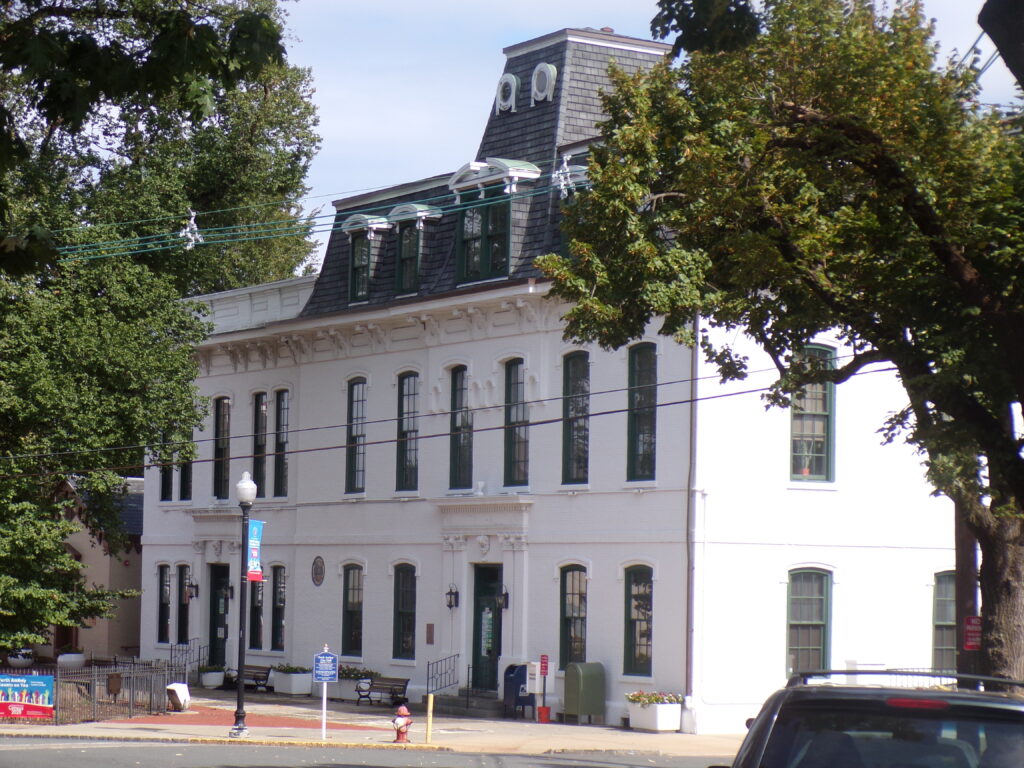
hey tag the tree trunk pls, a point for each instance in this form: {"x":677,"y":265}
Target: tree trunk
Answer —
{"x":1002,"y":597}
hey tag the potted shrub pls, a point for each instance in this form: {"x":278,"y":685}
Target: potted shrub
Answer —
{"x":70,"y":657}
{"x":293,"y":680}
{"x":21,"y":658}
{"x":654,"y":710}
{"x":211,"y":675}
{"x":349,"y":678}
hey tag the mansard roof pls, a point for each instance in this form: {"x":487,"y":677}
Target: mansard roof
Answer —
{"x":547,"y":98}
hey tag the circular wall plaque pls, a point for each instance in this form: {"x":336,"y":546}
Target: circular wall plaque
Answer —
{"x":318,"y":570}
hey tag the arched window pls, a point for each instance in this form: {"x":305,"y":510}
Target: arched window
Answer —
{"x":282,"y":405}
{"x":352,"y":612}
{"x":812,"y":425}
{"x":259,"y":443}
{"x":809,"y":617}
{"x":642,"y":415}
{"x":404,"y":642}
{"x":639,"y":645}
{"x":575,"y":417}
{"x":355,"y":450}
{"x":944,"y":631}
{"x":221,"y":446}
{"x":573,"y":618}
{"x":517,"y":425}
{"x":407,"y":449}
{"x":460,"y":474}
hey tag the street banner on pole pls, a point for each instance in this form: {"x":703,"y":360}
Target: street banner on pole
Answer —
{"x":254,"y":569}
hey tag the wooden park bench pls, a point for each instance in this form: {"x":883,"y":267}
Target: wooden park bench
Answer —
{"x":392,"y":687}
{"x":257,"y":675}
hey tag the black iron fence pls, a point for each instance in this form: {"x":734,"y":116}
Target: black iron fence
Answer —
{"x":110,"y":690}
{"x":443,"y":673}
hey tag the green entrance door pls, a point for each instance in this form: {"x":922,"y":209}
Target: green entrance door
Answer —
{"x":220,"y":577}
{"x":486,"y":626}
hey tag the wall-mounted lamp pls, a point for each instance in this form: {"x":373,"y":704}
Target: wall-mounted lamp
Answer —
{"x":451,"y":597}
{"x":504,"y":597}
{"x":191,"y":591}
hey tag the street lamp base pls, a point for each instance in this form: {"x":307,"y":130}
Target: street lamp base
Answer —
{"x":238,"y":732}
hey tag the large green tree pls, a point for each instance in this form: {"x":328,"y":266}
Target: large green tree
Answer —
{"x":114,"y":111}
{"x":829,"y":174}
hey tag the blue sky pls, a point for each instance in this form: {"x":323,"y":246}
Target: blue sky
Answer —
{"x":404,"y":87}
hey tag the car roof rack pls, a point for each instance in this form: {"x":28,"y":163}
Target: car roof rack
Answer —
{"x":965,"y":681}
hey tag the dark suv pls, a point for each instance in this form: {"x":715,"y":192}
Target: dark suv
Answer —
{"x":908,"y":720}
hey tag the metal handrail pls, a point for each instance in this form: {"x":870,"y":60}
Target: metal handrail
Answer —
{"x":443,"y":673}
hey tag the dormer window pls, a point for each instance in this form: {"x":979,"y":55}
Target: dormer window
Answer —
{"x":484,"y":223}
{"x":362,"y":231}
{"x":409,"y":219}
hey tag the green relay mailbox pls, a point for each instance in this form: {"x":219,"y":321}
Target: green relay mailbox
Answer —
{"x":584,"y":690}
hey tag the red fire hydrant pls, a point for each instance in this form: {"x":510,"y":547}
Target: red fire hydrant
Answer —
{"x":402,"y":721}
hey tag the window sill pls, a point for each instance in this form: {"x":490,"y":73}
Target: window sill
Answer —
{"x":479,"y":280}
{"x":571,"y":489}
{"x":404,"y":662}
{"x":354,"y":496}
{"x":406,"y":495}
{"x":829,"y":486}
{"x":639,"y":486}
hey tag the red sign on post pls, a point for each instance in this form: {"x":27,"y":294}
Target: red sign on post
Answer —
{"x":972,"y":633}
{"x":543,"y":665}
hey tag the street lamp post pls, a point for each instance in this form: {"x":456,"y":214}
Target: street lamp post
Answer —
{"x":246,"y":493}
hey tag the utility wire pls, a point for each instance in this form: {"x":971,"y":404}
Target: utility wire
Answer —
{"x":396,"y":440}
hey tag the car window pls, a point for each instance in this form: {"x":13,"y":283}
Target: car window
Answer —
{"x":880,"y":734}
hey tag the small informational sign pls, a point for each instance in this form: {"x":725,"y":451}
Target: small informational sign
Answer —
{"x":533,"y":677}
{"x":325,"y":667}
{"x":254,"y":569}
{"x":544,"y":665}
{"x":972,"y":633}
{"x":30,"y":696}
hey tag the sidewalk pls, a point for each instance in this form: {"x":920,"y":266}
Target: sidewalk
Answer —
{"x":276,"y":719}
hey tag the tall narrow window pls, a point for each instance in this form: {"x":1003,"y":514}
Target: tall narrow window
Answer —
{"x":355,"y":450}
{"x":575,"y":418}
{"x":484,"y":238}
{"x":259,"y":443}
{"x":408,"y":428}
{"x":185,"y":481}
{"x":573,"y":644}
{"x":256,"y":615}
{"x":944,"y":642}
{"x":642,"y":417}
{"x":517,"y":421}
{"x":166,"y":482}
{"x":460,"y":474}
{"x":221,"y":446}
{"x":639,"y":645}
{"x":352,"y":612}
{"x":163,"y":616}
{"x":812,"y":425}
{"x":807,"y":644}
{"x":359,"y":274}
{"x":184,"y":578}
{"x":277,"y":611}
{"x":404,"y":643}
{"x":408,"y":256}
{"x":281,"y":405}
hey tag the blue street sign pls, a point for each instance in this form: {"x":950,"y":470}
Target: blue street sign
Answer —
{"x":325,"y":668}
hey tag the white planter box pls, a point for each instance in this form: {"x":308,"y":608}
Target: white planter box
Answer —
{"x":211,"y":679}
{"x":71,"y":660}
{"x":300,"y":684}
{"x":655,"y":717}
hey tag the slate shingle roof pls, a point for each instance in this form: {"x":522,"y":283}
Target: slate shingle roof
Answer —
{"x":532,"y":133}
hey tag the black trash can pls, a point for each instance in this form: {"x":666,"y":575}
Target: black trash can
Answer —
{"x":515,"y":697}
